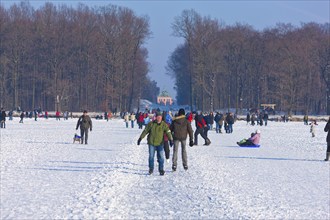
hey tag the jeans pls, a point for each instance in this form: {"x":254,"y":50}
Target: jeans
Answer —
{"x":217,"y":127}
{"x":230,"y":128}
{"x":132,"y":124}
{"x":126,"y":122}
{"x":160,"y":156}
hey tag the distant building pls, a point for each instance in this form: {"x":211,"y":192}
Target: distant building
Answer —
{"x":164,"y":98}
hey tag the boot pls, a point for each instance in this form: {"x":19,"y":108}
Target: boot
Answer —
{"x":207,"y":142}
{"x":327,"y":156}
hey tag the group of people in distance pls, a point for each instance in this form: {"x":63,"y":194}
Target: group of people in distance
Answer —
{"x":177,"y":133}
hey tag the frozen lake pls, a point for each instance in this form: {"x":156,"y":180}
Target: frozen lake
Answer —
{"x":45,"y":176}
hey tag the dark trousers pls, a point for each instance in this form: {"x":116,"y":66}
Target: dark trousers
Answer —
{"x":328,"y":148}
{"x":167,"y":150}
{"x":201,"y":132}
{"x":206,"y":130}
{"x":247,"y":143}
{"x":84,"y":132}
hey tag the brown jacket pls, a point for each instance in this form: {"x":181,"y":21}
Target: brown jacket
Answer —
{"x":181,"y":127}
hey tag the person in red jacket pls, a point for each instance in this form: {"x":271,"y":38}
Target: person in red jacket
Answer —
{"x":200,"y":126}
{"x":190,"y":117}
{"x":58,"y":115}
{"x":140,"y":119}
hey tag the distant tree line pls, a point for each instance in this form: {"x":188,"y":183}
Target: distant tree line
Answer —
{"x":69,"y":59}
{"x":221,"y":66}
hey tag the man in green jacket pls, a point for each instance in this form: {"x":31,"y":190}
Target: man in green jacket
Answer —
{"x":155,"y":131}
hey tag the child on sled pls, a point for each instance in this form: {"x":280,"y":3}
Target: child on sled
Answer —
{"x":252,"y":141}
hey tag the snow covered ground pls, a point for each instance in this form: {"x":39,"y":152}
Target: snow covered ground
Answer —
{"x":45,"y":176}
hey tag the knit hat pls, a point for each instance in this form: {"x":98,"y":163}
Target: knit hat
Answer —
{"x":181,"y":111}
{"x":158,"y":113}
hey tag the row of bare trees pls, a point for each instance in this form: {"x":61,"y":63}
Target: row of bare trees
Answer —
{"x":239,"y":67}
{"x":64,"y":58}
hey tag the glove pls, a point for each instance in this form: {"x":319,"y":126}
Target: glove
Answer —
{"x":90,"y":129}
{"x":76,"y":128}
{"x":191,"y":143}
{"x":139,"y":141}
{"x":171,"y":143}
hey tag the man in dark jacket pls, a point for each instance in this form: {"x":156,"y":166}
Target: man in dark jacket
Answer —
{"x":180,"y":128}
{"x":3,"y":118}
{"x":200,"y":126}
{"x":230,"y":120}
{"x":327,"y":129}
{"x":85,"y":123}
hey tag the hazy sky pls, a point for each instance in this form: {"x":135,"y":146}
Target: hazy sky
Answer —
{"x":259,"y":14}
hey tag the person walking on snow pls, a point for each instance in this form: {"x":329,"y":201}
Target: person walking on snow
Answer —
{"x":327,"y":129}
{"x":200,"y":126}
{"x":181,"y":127}
{"x":155,"y":131}
{"x":85,"y":123}
{"x":3,"y":118}
{"x":132,"y":118}
{"x":126,"y":119}
{"x":313,"y":127}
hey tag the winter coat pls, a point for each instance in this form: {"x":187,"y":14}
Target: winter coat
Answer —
{"x":3,"y":116}
{"x":230,"y":119}
{"x":211,"y":118}
{"x":190,"y":117}
{"x":255,"y":139}
{"x":140,"y":118}
{"x":132,"y":117}
{"x":265,"y":117}
{"x":327,"y":129}
{"x":207,"y":119}
{"x":248,"y":118}
{"x":199,"y":121}
{"x":222,"y":118}
{"x":126,"y":117}
{"x":313,"y":128}
{"x":181,"y":127}
{"x":217,"y":118}
{"x":84,"y":122}
{"x":156,"y":132}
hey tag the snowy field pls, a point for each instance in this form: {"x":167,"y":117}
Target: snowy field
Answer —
{"x":45,"y":176}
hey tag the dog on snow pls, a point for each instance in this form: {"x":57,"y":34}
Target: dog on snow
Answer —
{"x":76,"y":138}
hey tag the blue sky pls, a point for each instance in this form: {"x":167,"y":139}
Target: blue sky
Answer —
{"x":259,"y":14}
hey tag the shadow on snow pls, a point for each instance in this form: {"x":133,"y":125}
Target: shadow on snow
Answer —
{"x":272,"y":158}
